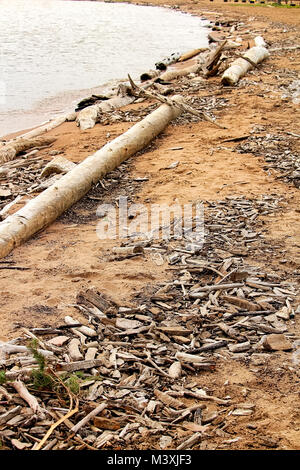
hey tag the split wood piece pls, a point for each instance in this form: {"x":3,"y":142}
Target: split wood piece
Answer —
{"x":89,"y":297}
{"x":215,"y":287}
{"x":193,"y":359}
{"x":240,"y":67}
{"x":242,"y":303}
{"x":5,"y":417}
{"x":88,"y":417}
{"x":168,"y":400}
{"x":210,"y":347}
{"x":20,"y":387}
{"x":85,"y":330}
{"x":212,"y":63}
{"x":10,"y":150}
{"x":246,"y":314}
{"x":163,"y":99}
{"x":80,"y":365}
{"x":241,"y":347}
{"x":45,"y":208}
{"x":230,"y":331}
{"x":190,"y":442}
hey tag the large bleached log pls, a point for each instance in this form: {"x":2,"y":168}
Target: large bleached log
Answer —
{"x":10,"y":150}
{"x":242,"y":65}
{"x":45,"y":208}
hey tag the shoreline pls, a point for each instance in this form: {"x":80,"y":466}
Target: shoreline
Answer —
{"x":246,"y":178}
{"x":68,"y":97}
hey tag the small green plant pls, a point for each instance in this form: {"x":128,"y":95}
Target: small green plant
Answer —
{"x":41,"y":380}
{"x":73,"y":384}
{"x":3,"y":378}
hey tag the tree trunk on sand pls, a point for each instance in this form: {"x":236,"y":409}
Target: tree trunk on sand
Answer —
{"x":10,"y":150}
{"x":240,"y":66}
{"x":45,"y":208}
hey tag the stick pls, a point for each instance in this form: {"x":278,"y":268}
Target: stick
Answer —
{"x":182,"y":106}
{"x":30,"y":399}
{"x":87,"y":418}
{"x":61,"y":420}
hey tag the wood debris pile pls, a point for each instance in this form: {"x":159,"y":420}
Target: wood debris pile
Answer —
{"x":134,"y":373}
{"x":279,"y":152}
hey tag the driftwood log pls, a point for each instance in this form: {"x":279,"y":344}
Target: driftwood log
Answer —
{"x":45,"y":208}
{"x":88,"y":117}
{"x":242,"y":65}
{"x":11,"y":149}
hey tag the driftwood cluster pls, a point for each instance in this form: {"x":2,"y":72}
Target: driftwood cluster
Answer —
{"x":131,"y":374}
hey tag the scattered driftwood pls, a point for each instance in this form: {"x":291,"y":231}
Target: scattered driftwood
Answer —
{"x":87,"y":118}
{"x":213,"y":62}
{"x":242,"y":65}
{"x":46,"y":207}
{"x":170,"y":101}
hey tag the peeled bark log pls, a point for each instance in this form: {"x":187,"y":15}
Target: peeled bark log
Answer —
{"x":45,"y":208}
{"x":241,"y":66}
{"x":190,"y":54}
{"x":10,"y":150}
{"x":172,"y":74}
{"x":88,"y":117}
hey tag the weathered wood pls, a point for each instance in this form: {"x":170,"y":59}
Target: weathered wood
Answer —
{"x":87,"y":118}
{"x":29,"y":398}
{"x":11,"y":149}
{"x":191,"y":54}
{"x":163,"y":99}
{"x":45,"y":208}
{"x":88,"y":417}
{"x":241,"y":66}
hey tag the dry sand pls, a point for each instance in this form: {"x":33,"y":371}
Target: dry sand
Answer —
{"x":68,"y":256}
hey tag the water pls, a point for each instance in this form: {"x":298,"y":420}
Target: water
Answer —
{"x":55,"y":52}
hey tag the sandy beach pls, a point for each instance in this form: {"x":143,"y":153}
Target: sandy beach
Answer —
{"x":213,"y":165}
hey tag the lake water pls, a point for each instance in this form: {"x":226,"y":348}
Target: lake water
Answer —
{"x":55,"y":52}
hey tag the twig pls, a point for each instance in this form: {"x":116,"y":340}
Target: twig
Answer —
{"x":70,"y":413}
{"x":87,"y":418}
{"x":184,"y":107}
